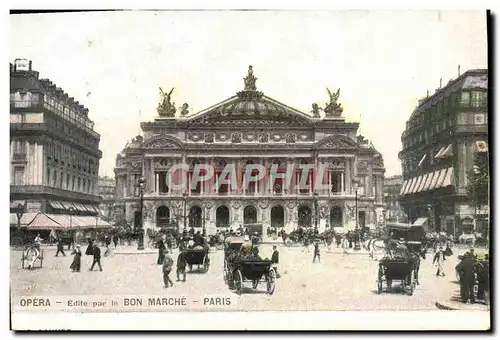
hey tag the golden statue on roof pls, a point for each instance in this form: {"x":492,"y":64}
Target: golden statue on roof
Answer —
{"x":166,"y":108}
{"x":333,"y":108}
{"x":250,"y":80}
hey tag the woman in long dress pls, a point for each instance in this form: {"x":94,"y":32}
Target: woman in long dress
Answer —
{"x":161,"y":251}
{"x":77,"y":259}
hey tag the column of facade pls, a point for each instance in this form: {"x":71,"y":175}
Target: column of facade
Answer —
{"x":327,"y":177}
{"x":348,"y":180}
{"x":342,"y":184}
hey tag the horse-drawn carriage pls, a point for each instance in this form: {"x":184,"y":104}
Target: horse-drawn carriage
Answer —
{"x":198,"y":256}
{"x":401,"y":263}
{"x":238,"y":270}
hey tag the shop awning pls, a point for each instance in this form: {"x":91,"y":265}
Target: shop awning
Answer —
{"x":25,"y":219}
{"x":67,"y":221}
{"x":44,"y":222}
{"x":446,"y":178}
{"x":422,"y":182}
{"x":56,"y":205}
{"x":417,"y":183}
{"x":440,"y":152}
{"x":403,"y":187}
{"x":422,"y":160}
{"x":420,"y":222}
{"x":448,"y":152}
{"x":428,"y":181}
{"x":434,"y":182}
{"x":67,"y":205}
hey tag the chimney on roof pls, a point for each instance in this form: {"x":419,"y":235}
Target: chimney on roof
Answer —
{"x":440,"y":82}
{"x":29,"y":67}
{"x":459,"y":70}
{"x":427,"y":93}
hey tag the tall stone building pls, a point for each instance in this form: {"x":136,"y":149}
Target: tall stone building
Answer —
{"x":392,"y":186}
{"x":251,"y":128}
{"x":54,"y":150}
{"x":442,"y":137}
{"x":107,"y":191}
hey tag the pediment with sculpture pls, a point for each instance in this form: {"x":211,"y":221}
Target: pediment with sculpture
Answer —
{"x":337,"y":142}
{"x":163,"y":142}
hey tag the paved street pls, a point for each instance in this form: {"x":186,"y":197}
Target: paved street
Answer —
{"x":339,"y":282}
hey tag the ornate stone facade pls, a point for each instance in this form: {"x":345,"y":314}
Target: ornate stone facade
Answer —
{"x":251,"y":127}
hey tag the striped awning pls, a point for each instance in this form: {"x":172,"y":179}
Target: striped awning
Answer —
{"x":448,"y":152}
{"x":428,"y":182}
{"x":403,"y":188}
{"x":422,"y":183}
{"x":422,"y":160}
{"x":438,"y":155}
{"x":56,"y":205}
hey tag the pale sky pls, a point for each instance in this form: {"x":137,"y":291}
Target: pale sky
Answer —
{"x":383,"y":62}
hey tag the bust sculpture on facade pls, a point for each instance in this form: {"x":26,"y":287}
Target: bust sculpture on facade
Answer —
{"x":250,"y":80}
{"x":333,"y":108}
{"x":166,"y":108}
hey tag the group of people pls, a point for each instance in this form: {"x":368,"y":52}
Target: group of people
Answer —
{"x":469,"y":270}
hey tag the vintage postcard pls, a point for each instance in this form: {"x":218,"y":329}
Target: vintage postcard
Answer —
{"x":228,"y":168}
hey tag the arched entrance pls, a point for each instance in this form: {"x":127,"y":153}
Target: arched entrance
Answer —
{"x":304,"y":216}
{"x":195,"y":220}
{"x":162,"y":217}
{"x":335,"y":217}
{"x":222,"y":217}
{"x":277,"y":217}
{"x":249,"y":214}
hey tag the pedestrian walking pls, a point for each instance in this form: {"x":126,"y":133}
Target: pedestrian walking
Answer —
{"x":275,"y":260}
{"x":306,"y":245}
{"x":161,"y":251}
{"x":60,"y":247}
{"x":115,"y":240}
{"x":107,"y":241}
{"x":167,"y":268}
{"x":181,"y":266}
{"x":438,"y":261}
{"x":77,"y":259}
{"x":96,"y":252}
{"x":316,"y":252}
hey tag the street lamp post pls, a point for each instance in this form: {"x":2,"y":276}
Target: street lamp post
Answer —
{"x":204,"y":220}
{"x":315,"y":200}
{"x":355,"y":183}
{"x":185,"y":211}
{"x":140,"y":241}
{"x":71,"y":212}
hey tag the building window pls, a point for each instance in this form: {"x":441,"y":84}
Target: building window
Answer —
{"x":18,"y":175}
{"x":465,"y":99}
{"x":478,"y":98}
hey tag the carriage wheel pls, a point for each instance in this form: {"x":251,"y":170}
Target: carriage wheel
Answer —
{"x":271,"y":282}
{"x":255,"y":284}
{"x":206,"y":263}
{"x":288,"y":242}
{"x":238,"y":281}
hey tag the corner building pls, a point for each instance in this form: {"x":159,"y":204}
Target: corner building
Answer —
{"x":443,"y":136}
{"x":54,"y":150}
{"x":247,"y":128}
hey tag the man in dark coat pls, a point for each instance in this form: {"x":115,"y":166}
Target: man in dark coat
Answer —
{"x":275,"y":259}
{"x":161,"y":251}
{"x":466,"y":269}
{"x":483,"y":277}
{"x":60,"y":247}
{"x":316,"y":252}
{"x":96,"y":252}
{"x":115,"y":240}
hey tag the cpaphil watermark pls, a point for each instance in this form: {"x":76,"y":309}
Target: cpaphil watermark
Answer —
{"x":301,"y":176}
